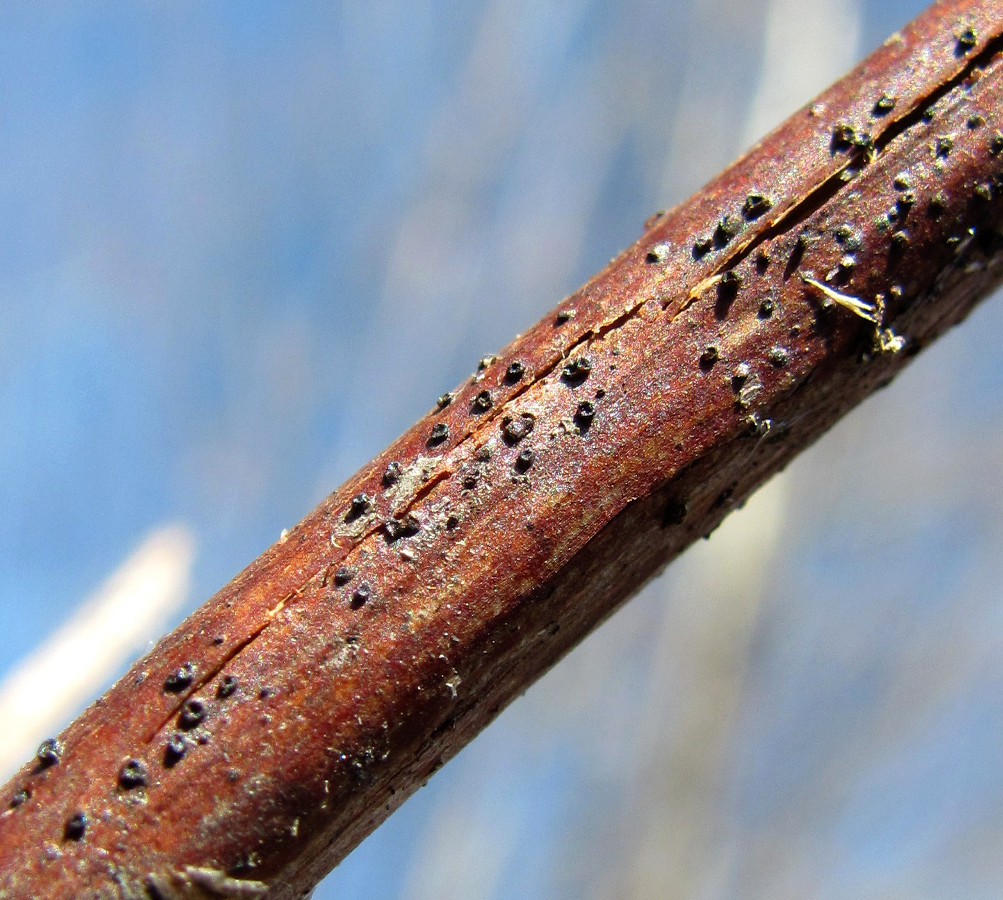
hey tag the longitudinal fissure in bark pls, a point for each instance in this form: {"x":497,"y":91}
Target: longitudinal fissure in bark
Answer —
{"x":260,"y":741}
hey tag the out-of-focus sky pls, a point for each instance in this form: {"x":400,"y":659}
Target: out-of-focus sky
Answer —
{"x":245,"y":244}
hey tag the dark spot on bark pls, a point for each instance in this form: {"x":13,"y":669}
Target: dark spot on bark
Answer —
{"x":452,"y":522}
{"x":192,"y":714}
{"x":524,"y":461}
{"x":133,"y":774}
{"x":177,"y":747}
{"x":710,"y":356}
{"x":514,"y":372}
{"x":359,"y":505}
{"x":392,"y":473}
{"x":584,"y":415}
{"x":900,"y":242}
{"x":439,"y":434}
{"x":983,"y":192}
{"x":938,"y":205}
{"x":944,"y":145}
{"x":266,"y":692}
{"x":20,"y":797}
{"x":344,"y":575}
{"x":227,"y":686}
{"x":514,"y":430}
{"x":179,"y":679}
{"x":564,"y":315}
{"x":762,"y":261}
{"x":996,"y":144}
{"x":975,"y":121}
{"x":49,"y":753}
{"x":766,"y":309}
{"x":674,"y":513}
{"x":444,"y":400}
{"x":755,"y":205}
{"x":723,"y":497}
{"x":470,"y":479}
{"x":902,"y":182}
{"x":75,"y":827}
{"x":576,"y":370}
{"x":361,"y":595}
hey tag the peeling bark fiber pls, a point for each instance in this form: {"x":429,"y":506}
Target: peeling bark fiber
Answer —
{"x":253,"y":747}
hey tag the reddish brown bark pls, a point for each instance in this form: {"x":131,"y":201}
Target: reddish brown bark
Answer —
{"x":258,"y":743}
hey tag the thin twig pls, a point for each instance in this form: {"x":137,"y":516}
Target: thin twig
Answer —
{"x":258,"y":743}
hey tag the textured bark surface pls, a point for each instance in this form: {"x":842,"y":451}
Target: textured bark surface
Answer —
{"x":276,"y":727}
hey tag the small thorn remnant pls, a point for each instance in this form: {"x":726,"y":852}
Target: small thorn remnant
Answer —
{"x":49,"y":753}
{"x":133,"y":774}
{"x":862,"y":308}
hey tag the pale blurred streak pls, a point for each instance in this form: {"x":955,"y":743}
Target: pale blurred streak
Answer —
{"x":77,"y":661}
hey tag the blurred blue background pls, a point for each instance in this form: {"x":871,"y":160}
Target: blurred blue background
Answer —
{"x":244,"y":245}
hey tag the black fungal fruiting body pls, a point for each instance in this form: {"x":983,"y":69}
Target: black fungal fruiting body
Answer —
{"x":514,"y":430}
{"x":344,"y":575}
{"x":756,"y":205}
{"x":360,"y":504}
{"x":514,"y":372}
{"x":524,"y":461}
{"x":361,"y":595}
{"x":133,"y":774}
{"x":482,"y":402}
{"x":576,"y":370}
{"x":49,"y":752}
{"x":75,"y":827}
{"x":884,"y":105}
{"x":20,"y":797}
{"x":399,"y":528}
{"x":439,"y":433}
{"x":227,"y":686}
{"x":177,"y":747}
{"x":708,"y":358}
{"x":659,"y":253}
{"x":584,"y":415}
{"x":192,"y":713}
{"x":392,"y":473}
{"x":179,"y":679}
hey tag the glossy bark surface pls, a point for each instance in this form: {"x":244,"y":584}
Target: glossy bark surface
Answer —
{"x":258,"y":743}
